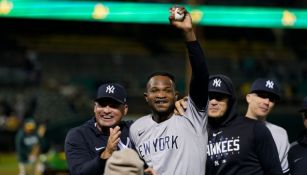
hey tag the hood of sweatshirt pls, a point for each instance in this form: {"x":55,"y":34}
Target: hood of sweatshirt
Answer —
{"x":223,"y":84}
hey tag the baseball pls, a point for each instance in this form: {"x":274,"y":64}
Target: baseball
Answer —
{"x":178,"y":16}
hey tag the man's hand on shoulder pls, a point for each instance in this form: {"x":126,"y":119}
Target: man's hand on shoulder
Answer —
{"x":181,"y":106}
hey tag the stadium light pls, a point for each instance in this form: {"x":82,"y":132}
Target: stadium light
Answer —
{"x":157,"y":13}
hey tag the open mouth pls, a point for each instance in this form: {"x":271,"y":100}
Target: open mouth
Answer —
{"x":161,"y":102}
{"x":106,"y":116}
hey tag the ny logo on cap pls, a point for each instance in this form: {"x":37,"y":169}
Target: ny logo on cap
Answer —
{"x":269,"y":84}
{"x":217,"y":82}
{"x":110,"y":89}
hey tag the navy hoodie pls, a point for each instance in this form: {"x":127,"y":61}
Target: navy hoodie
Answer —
{"x":84,"y":145}
{"x":238,"y":145}
{"x":297,"y":155}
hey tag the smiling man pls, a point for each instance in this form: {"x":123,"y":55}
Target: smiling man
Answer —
{"x":168,"y":143}
{"x":261,"y":100}
{"x":236,"y":144}
{"x":88,"y":146}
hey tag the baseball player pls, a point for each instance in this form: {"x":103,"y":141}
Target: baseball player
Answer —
{"x":261,"y":100}
{"x":236,"y":144}
{"x":298,"y":151}
{"x":168,"y":143}
{"x":29,"y":143}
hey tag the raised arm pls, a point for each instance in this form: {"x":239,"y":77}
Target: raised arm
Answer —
{"x":200,"y":75}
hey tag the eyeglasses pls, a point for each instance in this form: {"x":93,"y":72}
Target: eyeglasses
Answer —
{"x":271,"y":97}
{"x":217,"y":96}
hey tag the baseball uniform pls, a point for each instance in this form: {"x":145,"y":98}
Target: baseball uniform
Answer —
{"x":178,"y":145}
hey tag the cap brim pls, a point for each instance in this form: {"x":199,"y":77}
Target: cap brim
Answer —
{"x":219,"y":91}
{"x":277,"y":96}
{"x":108,"y":97}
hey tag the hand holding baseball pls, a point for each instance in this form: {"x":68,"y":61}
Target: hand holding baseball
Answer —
{"x":177,"y":13}
{"x":181,"y":19}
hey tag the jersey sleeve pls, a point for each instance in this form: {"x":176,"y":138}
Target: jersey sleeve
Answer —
{"x":78,"y":155}
{"x":266,"y":150}
{"x":198,"y":118}
{"x":284,"y":152}
{"x":200,"y":75}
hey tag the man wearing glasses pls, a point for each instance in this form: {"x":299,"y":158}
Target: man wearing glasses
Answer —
{"x":298,"y":151}
{"x":261,"y":100}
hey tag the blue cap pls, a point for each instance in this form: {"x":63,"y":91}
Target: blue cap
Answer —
{"x":112,"y":90}
{"x":304,"y":108}
{"x":266,"y":85}
{"x":218,"y":83}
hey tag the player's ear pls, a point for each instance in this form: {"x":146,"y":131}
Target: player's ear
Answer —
{"x":95,"y":106}
{"x":125,"y":109}
{"x":248,"y":98}
{"x":146,"y":96}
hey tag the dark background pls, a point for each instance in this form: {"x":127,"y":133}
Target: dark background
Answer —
{"x":50,"y":69}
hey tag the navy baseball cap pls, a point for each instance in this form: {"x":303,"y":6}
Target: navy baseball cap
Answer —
{"x":304,"y":108}
{"x":114,"y":91}
{"x":266,"y":85}
{"x":217,"y":83}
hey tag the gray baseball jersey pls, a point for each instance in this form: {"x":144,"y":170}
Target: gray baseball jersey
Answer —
{"x":175,"y":146}
{"x":280,"y":137}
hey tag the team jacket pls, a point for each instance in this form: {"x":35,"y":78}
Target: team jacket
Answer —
{"x":297,"y":155}
{"x":85,"y":143}
{"x":176,"y":146}
{"x":238,"y":145}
